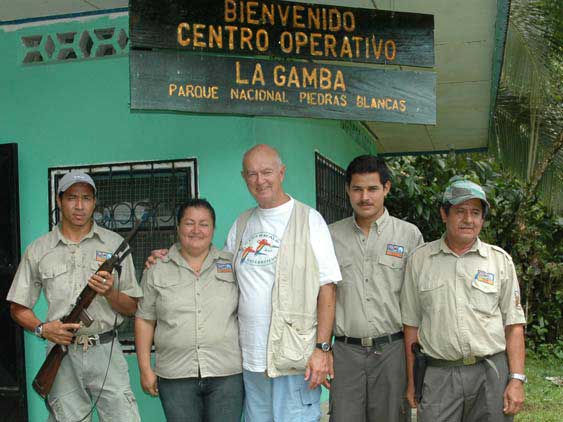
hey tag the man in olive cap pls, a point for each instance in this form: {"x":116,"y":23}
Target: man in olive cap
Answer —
{"x":461,"y":302}
{"x":61,"y":263}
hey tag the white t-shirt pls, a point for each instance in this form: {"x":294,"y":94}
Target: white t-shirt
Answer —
{"x":255,"y":265}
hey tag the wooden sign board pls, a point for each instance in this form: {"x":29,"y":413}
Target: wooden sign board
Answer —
{"x":174,"y":80}
{"x":284,"y":29}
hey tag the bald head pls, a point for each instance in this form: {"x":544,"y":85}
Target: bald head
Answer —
{"x":263,"y":172}
{"x":261,"y":150}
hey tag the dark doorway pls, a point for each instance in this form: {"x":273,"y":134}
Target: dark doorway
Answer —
{"x":13,"y":406}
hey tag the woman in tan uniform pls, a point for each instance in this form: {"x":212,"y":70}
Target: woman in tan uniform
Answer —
{"x":189,"y":310}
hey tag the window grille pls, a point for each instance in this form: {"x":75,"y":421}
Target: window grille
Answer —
{"x":125,"y":192}
{"x":332,"y":201}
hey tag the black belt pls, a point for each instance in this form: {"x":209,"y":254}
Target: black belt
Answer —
{"x":96,"y":339}
{"x":370,"y":341}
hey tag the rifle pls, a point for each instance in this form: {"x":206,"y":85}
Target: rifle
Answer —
{"x":46,"y":376}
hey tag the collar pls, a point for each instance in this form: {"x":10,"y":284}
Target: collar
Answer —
{"x":442,"y":246}
{"x":378,"y":224}
{"x":280,"y":209}
{"x":214,"y":254}
{"x":59,"y":237}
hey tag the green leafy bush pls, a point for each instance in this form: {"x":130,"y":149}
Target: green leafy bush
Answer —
{"x":533,"y":239}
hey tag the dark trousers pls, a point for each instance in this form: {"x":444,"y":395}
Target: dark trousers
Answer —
{"x":369,"y":386}
{"x":212,"y":399}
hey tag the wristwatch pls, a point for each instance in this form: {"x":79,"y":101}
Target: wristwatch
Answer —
{"x":519,"y":377}
{"x":38,"y":331}
{"x":324,"y":346}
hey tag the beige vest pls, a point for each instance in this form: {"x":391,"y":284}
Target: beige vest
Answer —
{"x":293,"y":328}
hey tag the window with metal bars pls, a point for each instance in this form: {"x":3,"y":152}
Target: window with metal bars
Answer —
{"x":332,"y":201}
{"x":126,"y":192}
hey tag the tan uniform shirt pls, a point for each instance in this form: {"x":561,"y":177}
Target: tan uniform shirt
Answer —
{"x":461,"y":303}
{"x":62,"y":269}
{"x":372,"y":267}
{"x":195,"y":314}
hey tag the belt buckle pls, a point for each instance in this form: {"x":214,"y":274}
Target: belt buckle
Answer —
{"x":95,"y":339}
{"x":469,"y":360}
{"x":367,"y":342}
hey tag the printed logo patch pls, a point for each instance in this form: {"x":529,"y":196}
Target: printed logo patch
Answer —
{"x":517,"y":299}
{"x":395,"y":250}
{"x":485,"y":277}
{"x":224,"y":267}
{"x":101,"y":256}
{"x":261,"y":249}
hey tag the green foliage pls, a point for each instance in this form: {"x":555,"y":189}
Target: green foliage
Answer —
{"x":536,"y":246}
{"x":544,"y":399}
{"x":528,"y":117}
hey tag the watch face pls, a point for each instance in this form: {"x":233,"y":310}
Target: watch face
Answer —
{"x":325,"y":347}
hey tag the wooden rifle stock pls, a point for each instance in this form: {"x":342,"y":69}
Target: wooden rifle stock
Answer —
{"x":46,"y":376}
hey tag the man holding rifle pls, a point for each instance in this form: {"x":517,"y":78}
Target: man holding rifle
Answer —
{"x":60,"y":263}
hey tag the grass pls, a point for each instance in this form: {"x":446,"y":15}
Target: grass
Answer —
{"x":544,"y":400}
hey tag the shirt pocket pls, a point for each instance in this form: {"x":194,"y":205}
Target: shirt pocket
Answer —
{"x":227,"y":277}
{"x":432,"y":293}
{"x":55,"y":279}
{"x":94,"y":266}
{"x":346,"y":272}
{"x":484,"y":297}
{"x":227,"y":286}
{"x":175,"y":295}
{"x":393,"y":271}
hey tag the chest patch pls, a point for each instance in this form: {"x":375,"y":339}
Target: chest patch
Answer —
{"x":395,"y":250}
{"x":101,"y":256}
{"x":224,"y":267}
{"x":485,"y":277}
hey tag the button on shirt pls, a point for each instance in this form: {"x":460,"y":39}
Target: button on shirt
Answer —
{"x":62,"y":268}
{"x":461,"y":304}
{"x":196,"y":321}
{"x":372,"y":267}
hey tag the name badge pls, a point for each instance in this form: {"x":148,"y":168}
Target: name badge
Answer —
{"x":101,"y":256}
{"x":395,"y":250}
{"x":223,"y":267}
{"x":485,"y":277}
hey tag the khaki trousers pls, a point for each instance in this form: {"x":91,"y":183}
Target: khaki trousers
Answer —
{"x":79,"y":383}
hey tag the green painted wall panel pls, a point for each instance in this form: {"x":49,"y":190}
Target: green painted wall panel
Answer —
{"x":76,"y":113}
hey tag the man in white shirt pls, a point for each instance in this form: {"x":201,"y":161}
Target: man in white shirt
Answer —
{"x":286,"y":269}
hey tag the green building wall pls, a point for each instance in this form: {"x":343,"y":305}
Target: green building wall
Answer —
{"x":76,"y":112}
